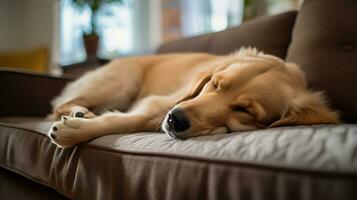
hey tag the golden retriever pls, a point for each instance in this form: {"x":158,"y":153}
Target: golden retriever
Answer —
{"x":185,"y":95}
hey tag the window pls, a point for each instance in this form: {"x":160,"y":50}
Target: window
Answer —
{"x":138,"y":26}
{"x":182,"y":18}
{"x":115,"y":30}
{"x":202,"y":16}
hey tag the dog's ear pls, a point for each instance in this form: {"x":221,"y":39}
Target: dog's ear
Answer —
{"x":307,"y":109}
{"x":196,"y":85}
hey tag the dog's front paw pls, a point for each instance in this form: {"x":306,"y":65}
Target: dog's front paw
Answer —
{"x":81,"y":112}
{"x":68,"y":132}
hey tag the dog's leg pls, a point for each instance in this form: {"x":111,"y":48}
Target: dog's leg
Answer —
{"x":111,"y":87}
{"x":71,"y":109}
{"x":146,"y":116}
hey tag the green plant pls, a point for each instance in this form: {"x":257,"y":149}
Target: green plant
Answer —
{"x":94,"y":5}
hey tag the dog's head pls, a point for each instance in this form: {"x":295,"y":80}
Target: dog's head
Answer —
{"x":247,"y":90}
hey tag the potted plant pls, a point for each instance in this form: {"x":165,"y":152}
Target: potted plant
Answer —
{"x":91,"y":39}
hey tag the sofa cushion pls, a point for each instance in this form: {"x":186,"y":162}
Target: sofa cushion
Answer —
{"x":269,"y":34}
{"x":324,"y":43}
{"x":313,"y":161}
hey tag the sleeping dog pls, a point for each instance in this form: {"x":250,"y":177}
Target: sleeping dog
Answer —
{"x":186,"y":95}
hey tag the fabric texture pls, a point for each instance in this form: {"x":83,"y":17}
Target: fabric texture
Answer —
{"x":27,"y":93}
{"x":153,"y":166}
{"x":14,"y":186}
{"x":270,"y":34}
{"x":324,"y":43}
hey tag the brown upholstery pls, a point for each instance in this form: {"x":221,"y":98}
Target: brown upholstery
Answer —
{"x":269,"y":34}
{"x":153,"y":166}
{"x":28,"y":93}
{"x":14,"y":186}
{"x":324,"y":43}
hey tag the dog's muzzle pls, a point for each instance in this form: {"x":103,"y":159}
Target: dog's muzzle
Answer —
{"x":177,"y":122}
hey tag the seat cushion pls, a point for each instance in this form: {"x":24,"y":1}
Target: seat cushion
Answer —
{"x":324,"y":43}
{"x":314,"y":161}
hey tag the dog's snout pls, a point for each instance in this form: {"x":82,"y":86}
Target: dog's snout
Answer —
{"x":178,"y":121}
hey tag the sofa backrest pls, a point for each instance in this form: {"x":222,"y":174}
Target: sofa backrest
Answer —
{"x":270,"y":34}
{"x":324,"y":43}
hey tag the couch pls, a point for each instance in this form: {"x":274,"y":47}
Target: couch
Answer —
{"x":299,"y":162}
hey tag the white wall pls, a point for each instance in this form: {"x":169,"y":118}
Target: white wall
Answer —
{"x":27,"y":24}
{"x":8,"y":25}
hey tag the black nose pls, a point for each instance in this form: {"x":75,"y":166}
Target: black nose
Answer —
{"x":178,"y":121}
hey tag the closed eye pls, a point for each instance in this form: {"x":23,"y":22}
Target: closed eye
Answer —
{"x":211,"y":87}
{"x":215,"y":85}
{"x":241,"y":109}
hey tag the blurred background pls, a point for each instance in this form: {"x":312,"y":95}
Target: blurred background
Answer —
{"x":50,"y":35}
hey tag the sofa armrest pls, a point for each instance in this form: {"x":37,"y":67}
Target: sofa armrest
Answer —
{"x":27,"y":93}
